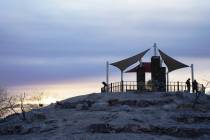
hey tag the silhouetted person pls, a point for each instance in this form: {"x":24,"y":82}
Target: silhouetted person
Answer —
{"x":195,"y":86}
{"x":203,"y":89}
{"x":188,"y":84}
{"x":105,"y":88}
{"x":105,"y":84}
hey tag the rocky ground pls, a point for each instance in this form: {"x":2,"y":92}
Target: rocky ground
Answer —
{"x":123,"y":116}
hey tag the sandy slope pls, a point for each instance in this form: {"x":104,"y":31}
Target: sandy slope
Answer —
{"x":123,"y":116}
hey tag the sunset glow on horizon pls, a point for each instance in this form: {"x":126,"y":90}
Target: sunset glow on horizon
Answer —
{"x":59,"y":91}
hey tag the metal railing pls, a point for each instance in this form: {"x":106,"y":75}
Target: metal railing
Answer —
{"x":127,"y":86}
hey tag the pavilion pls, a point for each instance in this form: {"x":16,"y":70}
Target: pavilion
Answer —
{"x":159,"y":74}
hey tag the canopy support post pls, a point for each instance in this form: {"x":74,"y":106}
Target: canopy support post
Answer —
{"x":167,"y":76}
{"x":192,"y":72}
{"x":107,"y":75}
{"x":155,"y":49}
{"x":121,"y":81}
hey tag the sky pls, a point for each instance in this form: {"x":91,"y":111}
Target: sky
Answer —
{"x":61,"y":46}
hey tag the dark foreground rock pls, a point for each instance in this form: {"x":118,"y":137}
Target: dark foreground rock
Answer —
{"x":119,"y":116}
{"x":140,"y":103}
{"x":190,"y":119}
{"x":155,"y":130}
{"x":81,"y":105}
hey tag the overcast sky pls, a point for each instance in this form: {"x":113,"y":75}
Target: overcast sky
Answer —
{"x":58,"y":40}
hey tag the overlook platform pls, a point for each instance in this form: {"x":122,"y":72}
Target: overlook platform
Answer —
{"x":127,"y":86}
{"x":160,"y":66}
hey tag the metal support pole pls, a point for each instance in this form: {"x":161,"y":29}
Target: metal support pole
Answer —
{"x":167,"y":75}
{"x":192,"y":72}
{"x":178,"y":86}
{"x":107,"y":75}
{"x":155,"y":49}
{"x":121,"y":81}
{"x":161,"y":62}
{"x":111,"y":88}
{"x":121,"y":76}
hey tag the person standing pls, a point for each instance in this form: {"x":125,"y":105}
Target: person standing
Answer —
{"x":195,"y":86}
{"x":188,"y":84}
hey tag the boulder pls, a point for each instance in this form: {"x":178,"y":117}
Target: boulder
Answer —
{"x":151,"y":129}
{"x":80,"y":105}
{"x":99,"y":106}
{"x":11,"y":130}
{"x":100,"y":128}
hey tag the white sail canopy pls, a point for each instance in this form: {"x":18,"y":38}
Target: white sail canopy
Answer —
{"x":171,"y":63}
{"x":125,"y":63}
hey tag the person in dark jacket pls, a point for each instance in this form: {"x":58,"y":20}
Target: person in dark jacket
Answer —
{"x":188,"y":84}
{"x":195,"y":86}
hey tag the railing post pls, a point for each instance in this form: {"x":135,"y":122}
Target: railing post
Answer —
{"x":114,"y":87}
{"x":111,"y":87}
{"x":182,"y":87}
{"x":178,"y":86}
{"x":174,"y":86}
{"x":167,"y":75}
{"x":121,"y":81}
{"x":121,"y":85}
{"x":118,"y":87}
{"x":107,"y":75}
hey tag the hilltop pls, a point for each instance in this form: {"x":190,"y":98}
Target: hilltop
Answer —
{"x":113,"y":116}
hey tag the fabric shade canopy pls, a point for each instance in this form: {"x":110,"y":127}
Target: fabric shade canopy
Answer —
{"x":146,"y":67}
{"x":171,"y":63}
{"x":125,"y":63}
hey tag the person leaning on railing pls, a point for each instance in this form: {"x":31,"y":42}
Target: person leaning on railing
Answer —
{"x":105,"y":88}
{"x":203,"y":89}
{"x":188,"y":84}
{"x":195,"y":86}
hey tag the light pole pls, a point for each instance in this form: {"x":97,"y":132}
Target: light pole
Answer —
{"x":107,"y":76}
{"x":155,"y":49}
{"x":192,"y":72}
{"x":167,"y":76}
{"x":121,"y":81}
